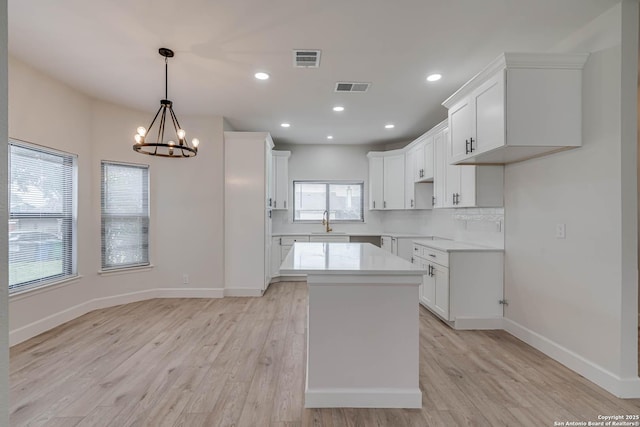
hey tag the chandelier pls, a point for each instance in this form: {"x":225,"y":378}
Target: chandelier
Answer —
{"x":177,"y":148}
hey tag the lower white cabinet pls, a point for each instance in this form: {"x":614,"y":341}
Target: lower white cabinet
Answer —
{"x":281,"y":245}
{"x":463,"y":287}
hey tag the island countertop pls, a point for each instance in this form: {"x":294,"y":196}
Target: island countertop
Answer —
{"x":345,"y":258}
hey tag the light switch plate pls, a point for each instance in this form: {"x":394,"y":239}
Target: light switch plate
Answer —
{"x":561,"y":231}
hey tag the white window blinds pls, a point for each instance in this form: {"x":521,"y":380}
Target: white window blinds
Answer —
{"x":42,"y":220}
{"x":125,"y":215}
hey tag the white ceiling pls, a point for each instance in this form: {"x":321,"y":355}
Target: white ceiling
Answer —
{"x":108,"y":49}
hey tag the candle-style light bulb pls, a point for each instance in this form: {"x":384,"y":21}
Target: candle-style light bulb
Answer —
{"x":141,"y":131}
{"x":138,"y":138}
{"x":181,"y":133}
{"x":195,"y":142}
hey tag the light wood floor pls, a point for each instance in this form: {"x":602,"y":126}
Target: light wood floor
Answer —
{"x":240,"y":361}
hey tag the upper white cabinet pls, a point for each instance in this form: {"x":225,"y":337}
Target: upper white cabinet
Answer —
{"x":279,"y":196}
{"x":519,"y":107}
{"x":440,"y":168}
{"x":386,"y":180}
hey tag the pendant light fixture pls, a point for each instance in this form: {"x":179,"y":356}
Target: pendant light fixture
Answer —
{"x":177,"y":148}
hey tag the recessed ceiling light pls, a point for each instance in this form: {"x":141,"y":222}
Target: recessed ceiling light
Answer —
{"x":329,"y":136}
{"x":434,"y":77}
{"x":389,"y":126}
{"x":261,"y":76}
{"x":285,"y":125}
{"x":338,"y":108}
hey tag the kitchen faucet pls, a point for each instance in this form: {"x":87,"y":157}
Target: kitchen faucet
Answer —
{"x":325,"y":221}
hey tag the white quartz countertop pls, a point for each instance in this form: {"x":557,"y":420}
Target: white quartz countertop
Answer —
{"x":454,"y":245}
{"x":345,"y":258}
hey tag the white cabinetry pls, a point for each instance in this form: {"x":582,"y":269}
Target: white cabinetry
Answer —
{"x":334,"y":238}
{"x":280,"y":179}
{"x":247,"y":223}
{"x":280,"y":248}
{"x":386,"y":180}
{"x":519,"y":107}
{"x":463,"y":287}
{"x":464,"y":186}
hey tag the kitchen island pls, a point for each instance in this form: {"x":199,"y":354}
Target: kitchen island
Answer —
{"x":362,"y":325}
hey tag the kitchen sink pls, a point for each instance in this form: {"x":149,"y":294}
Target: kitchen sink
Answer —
{"x":329,"y":233}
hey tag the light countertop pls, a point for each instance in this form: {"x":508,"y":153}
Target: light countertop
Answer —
{"x":345,"y":258}
{"x":359,"y":233}
{"x":453,"y":246}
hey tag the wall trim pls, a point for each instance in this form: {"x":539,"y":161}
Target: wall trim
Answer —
{"x":243,"y":292}
{"x":25,"y":332}
{"x":363,"y":398}
{"x":620,"y":387}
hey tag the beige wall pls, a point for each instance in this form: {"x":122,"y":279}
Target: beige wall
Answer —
{"x":186,"y":199}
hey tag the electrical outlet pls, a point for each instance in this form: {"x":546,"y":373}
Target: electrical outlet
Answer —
{"x":185,"y":279}
{"x":561,"y":231}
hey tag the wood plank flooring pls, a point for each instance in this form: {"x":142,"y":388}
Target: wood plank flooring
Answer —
{"x":240,"y":362}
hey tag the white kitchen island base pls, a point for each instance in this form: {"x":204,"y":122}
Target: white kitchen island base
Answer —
{"x":362,"y":327}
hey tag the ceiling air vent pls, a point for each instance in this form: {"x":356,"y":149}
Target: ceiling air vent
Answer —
{"x":352,"y":87}
{"x":306,"y":58}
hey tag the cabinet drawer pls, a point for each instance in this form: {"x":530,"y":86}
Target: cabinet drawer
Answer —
{"x":434,"y":255}
{"x":290,"y":240}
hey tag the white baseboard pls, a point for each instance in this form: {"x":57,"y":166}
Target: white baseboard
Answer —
{"x":277,"y":279}
{"x":23,"y":333}
{"x":478,"y":323}
{"x":620,"y":387}
{"x":363,"y":398}
{"x":243,"y":292}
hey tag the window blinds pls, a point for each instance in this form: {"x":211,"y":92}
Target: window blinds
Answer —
{"x":125,"y":215}
{"x":42,"y":220}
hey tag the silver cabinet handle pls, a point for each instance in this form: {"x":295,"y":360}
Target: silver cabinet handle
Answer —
{"x":374,"y":204}
{"x":384,"y":204}
{"x":411,"y":202}
{"x":275,"y":203}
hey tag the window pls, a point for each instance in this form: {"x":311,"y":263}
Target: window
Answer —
{"x":343,"y":201}
{"x":42,"y":216}
{"x":125,"y":215}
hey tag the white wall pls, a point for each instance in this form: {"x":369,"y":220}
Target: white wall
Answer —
{"x":576,"y":298}
{"x":186,"y":200}
{"x":4,"y":304}
{"x":327,"y":162}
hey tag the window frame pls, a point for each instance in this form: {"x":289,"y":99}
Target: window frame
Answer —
{"x":130,"y":266}
{"x":70,"y":221}
{"x":328,"y":183}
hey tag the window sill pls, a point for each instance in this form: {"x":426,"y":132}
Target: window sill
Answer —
{"x":25,"y":293}
{"x":125,"y":270}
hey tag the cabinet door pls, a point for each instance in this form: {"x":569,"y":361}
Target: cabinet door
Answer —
{"x":419,"y":162}
{"x":461,"y":129}
{"x":409,"y":187}
{"x":281,"y":182}
{"x":452,"y":188}
{"x":394,"y":246}
{"x":441,"y":301}
{"x":428,"y":288}
{"x":489,"y":106}
{"x":385,"y":243}
{"x":269,"y":178}
{"x":428,"y":160}
{"x":376,"y":182}
{"x":393,"y":189}
{"x":275,"y":256}
{"x":440,"y":168}
{"x":467,"y":187}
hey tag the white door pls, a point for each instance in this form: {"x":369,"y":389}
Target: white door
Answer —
{"x":441,"y":279}
{"x":461,"y":128}
{"x":419,"y":162}
{"x":428,"y":287}
{"x":282,"y":186}
{"x":409,"y":187}
{"x":428,"y":159}
{"x":440,"y":168}
{"x":489,"y":103}
{"x":393,"y":189}
{"x":376,"y":182}
{"x":467,"y":188}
